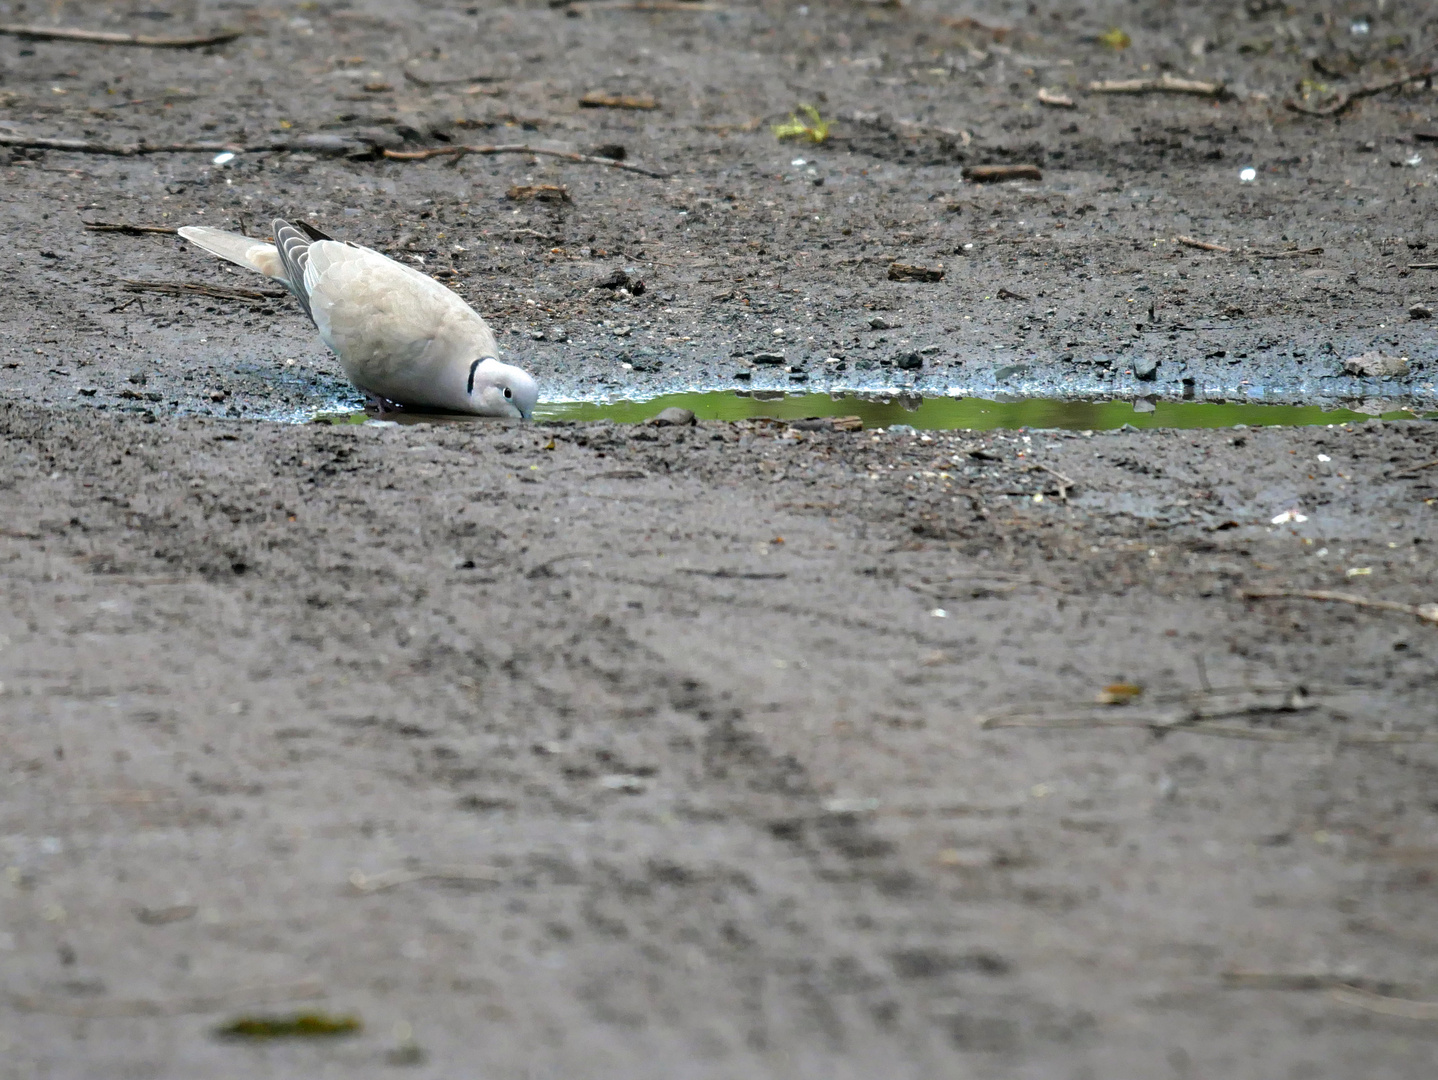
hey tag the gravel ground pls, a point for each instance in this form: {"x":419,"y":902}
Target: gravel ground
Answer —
{"x":733,"y":749}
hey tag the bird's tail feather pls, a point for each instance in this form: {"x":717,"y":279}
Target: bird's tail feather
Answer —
{"x":242,"y":250}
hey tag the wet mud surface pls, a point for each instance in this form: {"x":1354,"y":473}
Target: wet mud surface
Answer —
{"x":1069,"y":286}
{"x":739,"y":749}
{"x":691,"y":718}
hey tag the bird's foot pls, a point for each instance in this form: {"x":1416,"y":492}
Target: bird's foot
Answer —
{"x":382,"y":405}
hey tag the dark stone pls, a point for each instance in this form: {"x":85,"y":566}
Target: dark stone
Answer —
{"x":908,"y":361}
{"x":1145,"y":368}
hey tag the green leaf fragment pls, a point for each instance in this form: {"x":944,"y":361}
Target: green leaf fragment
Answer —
{"x":306,"y":1025}
{"x":814,"y":128}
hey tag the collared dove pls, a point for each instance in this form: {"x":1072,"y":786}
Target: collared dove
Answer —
{"x":401,"y":337}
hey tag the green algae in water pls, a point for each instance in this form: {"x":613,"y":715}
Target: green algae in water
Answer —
{"x":972,"y":414}
{"x":929,"y":414}
{"x":304,"y":1025}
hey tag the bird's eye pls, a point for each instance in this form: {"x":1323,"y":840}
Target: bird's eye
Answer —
{"x":508,"y":392}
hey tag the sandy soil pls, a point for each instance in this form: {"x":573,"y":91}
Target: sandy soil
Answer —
{"x":554,"y":750}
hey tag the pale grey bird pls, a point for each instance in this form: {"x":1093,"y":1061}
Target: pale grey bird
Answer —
{"x":401,"y":337}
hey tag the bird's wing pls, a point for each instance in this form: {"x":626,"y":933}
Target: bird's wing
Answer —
{"x":294,"y":249}
{"x":243,"y":250}
{"x":393,"y":328}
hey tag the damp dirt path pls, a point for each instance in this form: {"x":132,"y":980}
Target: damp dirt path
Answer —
{"x":657,"y":752}
{"x":1072,"y":285}
{"x":647,"y":748}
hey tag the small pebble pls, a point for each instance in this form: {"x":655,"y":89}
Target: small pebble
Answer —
{"x":673,"y":417}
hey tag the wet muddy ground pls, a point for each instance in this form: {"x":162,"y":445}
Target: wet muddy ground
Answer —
{"x":604,"y":750}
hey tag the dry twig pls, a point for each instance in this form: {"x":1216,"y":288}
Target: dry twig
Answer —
{"x":1064,"y":482}
{"x":418,"y":80}
{"x":1425,"y":612}
{"x":1409,"y":470}
{"x":598,"y":99}
{"x":644,"y":5}
{"x":1202,"y":245}
{"x":1164,"y":84}
{"x":1387,"y":1006}
{"x":1312,"y":980}
{"x":128,"y":229}
{"x":995,"y":174}
{"x":102,"y":37}
{"x":1054,"y":100}
{"x":304,"y":990}
{"x":84,"y":146}
{"x":556,"y":193}
{"x":515,"y":148}
{"x":366,"y":884}
{"x":1343,"y":100}
{"x":1292,"y":253}
{"x":1191,"y":712}
{"x":217,"y":292}
{"x":906,"y":272}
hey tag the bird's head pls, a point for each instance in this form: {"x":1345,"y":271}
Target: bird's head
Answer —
{"x":497,"y":389}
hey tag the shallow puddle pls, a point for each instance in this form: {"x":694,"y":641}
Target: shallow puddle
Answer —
{"x":975,"y":414}
{"x":940,"y":413}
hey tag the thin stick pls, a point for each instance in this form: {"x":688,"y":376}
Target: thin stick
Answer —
{"x":1348,"y":97}
{"x":998,"y":174}
{"x":1411,"y":469}
{"x":218,"y":292}
{"x":365,"y":884}
{"x":1064,"y":482}
{"x":643,"y":5}
{"x":1202,"y":245}
{"x":1295,"y":253}
{"x":1425,"y":612}
{"x":1385,"y":738}
{"x":84,"y":146}
{"x":410,"y":76}
{"x":1423,"y":266}
{"x":1303,"y":981}
{"x":102,"y":37}
{"x":1387,"y":1006}
{"x":1166,"y":84}
{"x":304,"y":990}
{"x":127,"y":228}
{"x":1278,"y":980}
{"x":517,"y":148}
